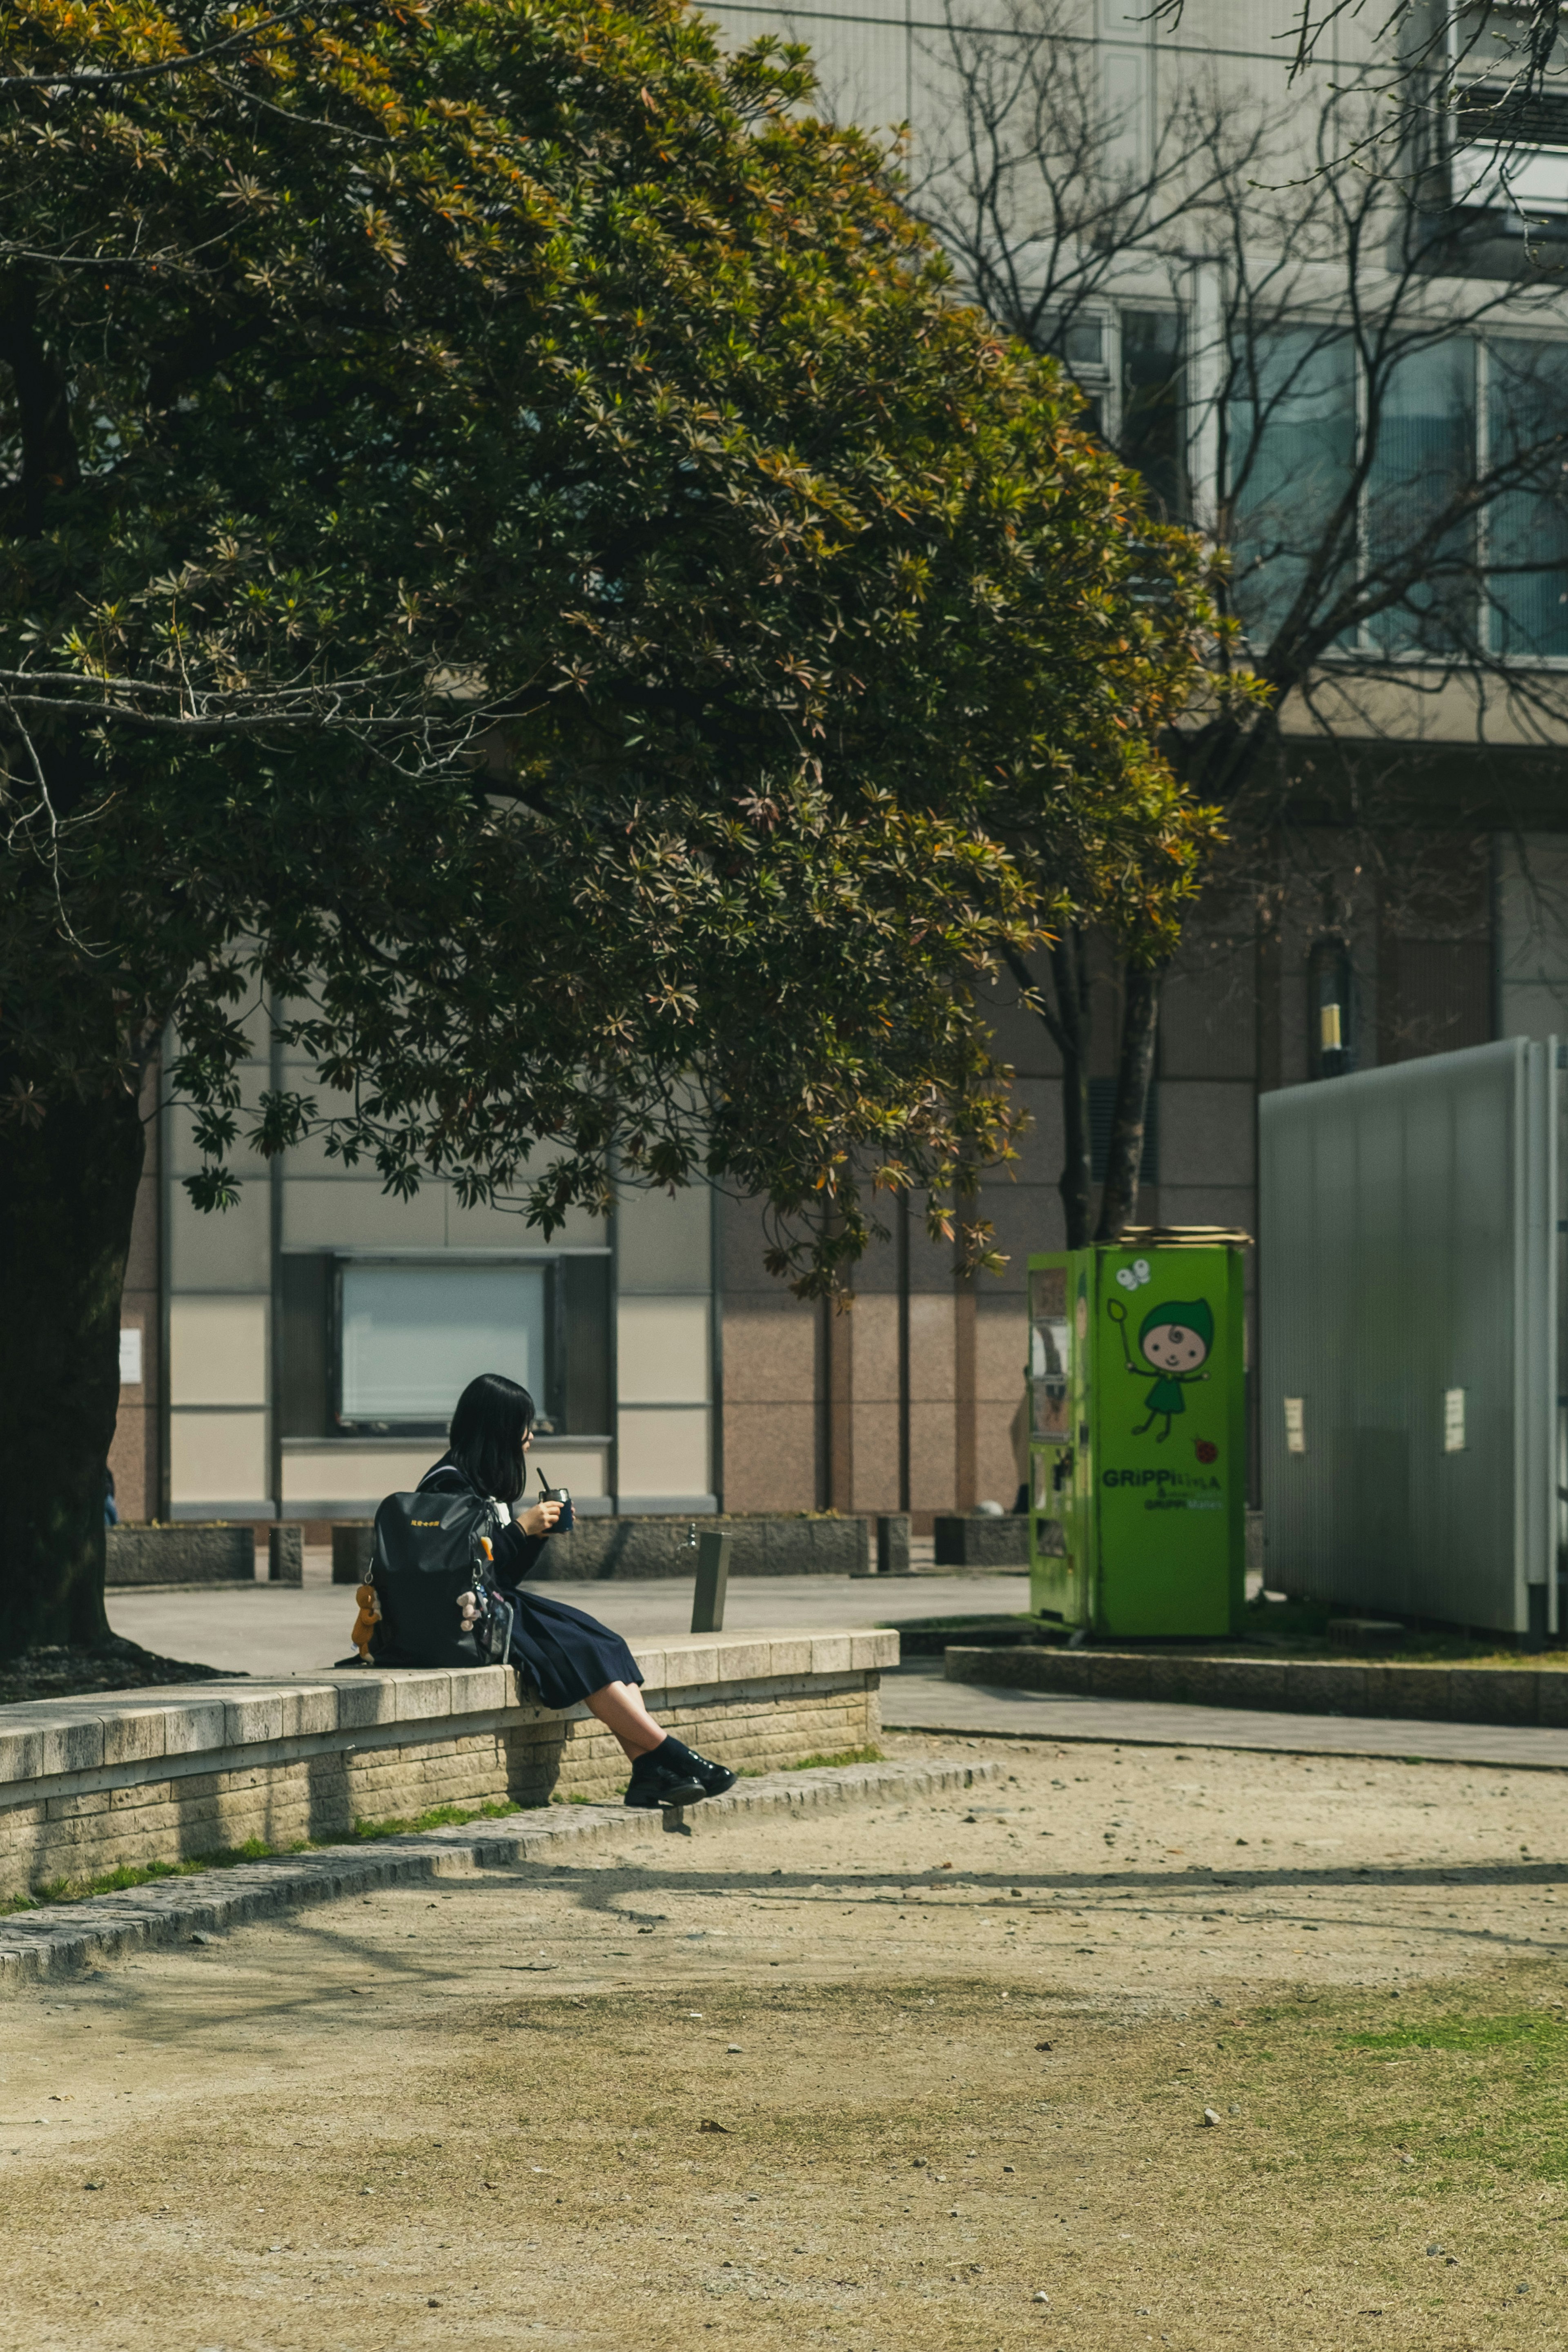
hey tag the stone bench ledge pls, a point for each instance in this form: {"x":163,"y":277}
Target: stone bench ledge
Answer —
{"x":40,"y":1738}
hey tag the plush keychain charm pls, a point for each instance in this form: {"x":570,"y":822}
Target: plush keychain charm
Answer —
{"x":366,"y":1621}
{"x":470,"y":1607}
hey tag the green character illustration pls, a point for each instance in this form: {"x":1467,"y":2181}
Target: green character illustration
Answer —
{"x":1175,"y":1339}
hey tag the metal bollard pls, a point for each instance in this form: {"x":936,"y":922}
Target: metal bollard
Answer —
{"x":713,"y":1580}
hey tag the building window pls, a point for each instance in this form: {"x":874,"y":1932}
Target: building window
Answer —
{"x":373,"y":1345}
{"x":1290,"y":431}
{"x":1446,"y":417}
{"x":410,"y":1337}
{"x":1508,"y":150}
{"x":1423,"y":455}
{"x":1153,"y":436}
{"x":1527,"y":528}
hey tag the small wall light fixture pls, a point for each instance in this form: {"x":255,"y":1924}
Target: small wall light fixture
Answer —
{"x":1330,"y":1035}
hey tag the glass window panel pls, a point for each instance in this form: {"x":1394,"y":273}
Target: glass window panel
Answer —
{"x":1424,"y":432}
{"x":412,"y":1336}
{"x":1154,"y":406}
{"x":1083,"y":343}
{"x":1290,"y":427}
{"x":1527,"y":528}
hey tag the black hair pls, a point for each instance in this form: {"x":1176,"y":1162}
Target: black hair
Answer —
{"x":494,"y":1416}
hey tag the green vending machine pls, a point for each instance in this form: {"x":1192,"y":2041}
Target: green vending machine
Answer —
{"x":1138,"y":1435}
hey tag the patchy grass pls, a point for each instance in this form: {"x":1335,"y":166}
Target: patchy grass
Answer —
{"x":918,"y":2159}
{"x":441,"y":1817}
{"x":128,"y":1875}
{"x":814,"y":1763}
{"x":843,"y":1756}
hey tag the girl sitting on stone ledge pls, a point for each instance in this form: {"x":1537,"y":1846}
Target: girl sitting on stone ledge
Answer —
{"x":566,"y":1656}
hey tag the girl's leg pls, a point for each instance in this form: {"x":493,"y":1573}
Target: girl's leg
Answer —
{"x":619,"y":1707}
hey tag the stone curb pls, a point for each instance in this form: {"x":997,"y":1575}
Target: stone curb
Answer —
{"x":38,"y":1944}
{"x":1511,"y":1696}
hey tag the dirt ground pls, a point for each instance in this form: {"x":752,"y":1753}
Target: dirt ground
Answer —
{"x":878,"y":2078}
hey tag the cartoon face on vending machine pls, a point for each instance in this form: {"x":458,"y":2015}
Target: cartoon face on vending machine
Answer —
{"x":1175,"y":1341}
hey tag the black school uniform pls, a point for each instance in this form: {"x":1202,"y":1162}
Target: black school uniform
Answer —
{"x":565,"y":1652}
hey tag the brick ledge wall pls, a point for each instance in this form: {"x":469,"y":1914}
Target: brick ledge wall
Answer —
{"x":163,"y":1774}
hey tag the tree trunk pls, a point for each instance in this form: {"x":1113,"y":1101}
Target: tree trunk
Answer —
{"x":68,"y":1190}
{"x":1135,"y":1069}
{"x":1070,"y":975}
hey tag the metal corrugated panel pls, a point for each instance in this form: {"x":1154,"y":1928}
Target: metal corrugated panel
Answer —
{"x":1408,"y":1220}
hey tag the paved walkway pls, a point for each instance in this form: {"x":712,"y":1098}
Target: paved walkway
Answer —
{"x":272,"y":1629}
{"x":916,"y":1697}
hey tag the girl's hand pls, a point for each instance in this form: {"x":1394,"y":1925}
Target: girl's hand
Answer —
{"x":539,"y":1519}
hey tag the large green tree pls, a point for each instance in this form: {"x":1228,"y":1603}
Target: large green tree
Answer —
{"x":512,"y":561}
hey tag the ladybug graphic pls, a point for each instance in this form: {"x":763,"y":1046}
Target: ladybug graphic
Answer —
{"x":1205,"y":1452}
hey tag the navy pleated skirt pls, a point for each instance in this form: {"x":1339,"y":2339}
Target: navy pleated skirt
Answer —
{"x":565,"y":1652}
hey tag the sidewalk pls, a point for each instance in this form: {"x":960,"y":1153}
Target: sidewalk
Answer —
{"x":271,"y":1628}
{"x":916,"y":1697}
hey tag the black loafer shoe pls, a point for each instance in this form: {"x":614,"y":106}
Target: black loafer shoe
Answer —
{"x":715,"y":1778}
{"x":655,"y":1785}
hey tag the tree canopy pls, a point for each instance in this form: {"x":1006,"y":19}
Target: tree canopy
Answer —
{"x":511,"y":545}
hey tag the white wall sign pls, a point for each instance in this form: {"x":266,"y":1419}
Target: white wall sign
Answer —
{"x":131,"y":1355}
{"x":1453,"y":1421}
{"x":1295,"y":1425}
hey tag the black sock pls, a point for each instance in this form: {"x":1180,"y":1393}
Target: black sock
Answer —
{"x":672,"y":1750}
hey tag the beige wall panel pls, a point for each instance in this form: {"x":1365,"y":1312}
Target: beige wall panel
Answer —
{"x":355,"y":1477}
{"x":132,"y":1458}
{"x":311,"y":1158}
{"x":584,"y":1470}
{"x":508,"y":1229}
{"x":770,"y":1457}
{"x":229,"y":1249}
{"x":933,"y":1466}
{"x":1210,"y":1204}
{"x":875,"y":1440}
{"x":662,"y":1350}
{"x":141,"y":1260}
{"x":1533,"y":926}
{"x":931,"y":1348}
{"x":873,"y":1326}
{"x":663,"y":1244}
{"x":769,"y":1350}
{"x":742,"y":1240}
{"x":664,"y":1453}
{"x":1001,"y":1349}
{"x":1025,"y":1217}
{"x":185,"y":1159}
{"x":320,"y":1214}
{"x":217,"y":1457}
{"x":1207,"y":1018}
{"x":1205,"y":1126}
{"x":1421,"y":707}
{"x":218,"y":1351}
{"x":995,"y":1469}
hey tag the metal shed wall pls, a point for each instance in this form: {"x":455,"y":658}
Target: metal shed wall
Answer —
{"x":1409,"y":1248}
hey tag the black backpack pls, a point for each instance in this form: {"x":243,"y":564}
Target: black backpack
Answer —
{"x":428,"y":1551}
